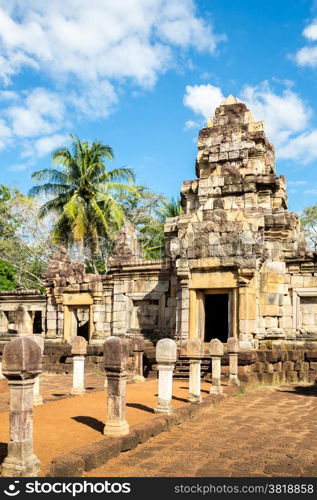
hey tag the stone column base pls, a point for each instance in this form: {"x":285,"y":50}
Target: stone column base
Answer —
{"x":12,"y":467}
{"x":116,"y":428}
{"x":37,"y":400}
{"x":138,"y":379}
{"x":194,"y":398}
{"x":164,"y":406}
{"x":234,"y":381}
{"x":77,"y":391}
{"x":216,"y":389}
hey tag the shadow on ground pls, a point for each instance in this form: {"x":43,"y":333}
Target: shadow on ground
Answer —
{"x":140,"y":407}
{"x":92,"y":422}
{"x":307,"y":390}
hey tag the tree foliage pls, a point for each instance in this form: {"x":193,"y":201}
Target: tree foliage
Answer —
{"x":25,"y":245}
{"x":82,"y":195}
{"x":309,"y":223}
{"x":147,"y":211}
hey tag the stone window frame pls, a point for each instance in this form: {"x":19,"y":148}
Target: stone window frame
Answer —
{"x":152,"y":295}
{"x":297,"y":294}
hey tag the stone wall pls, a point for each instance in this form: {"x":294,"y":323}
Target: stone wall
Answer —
{"x":276,"y":366}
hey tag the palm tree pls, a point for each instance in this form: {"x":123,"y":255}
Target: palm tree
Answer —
{"x":83,"y":194}
{"x":170,"y":208}
{"x":152,"y":233}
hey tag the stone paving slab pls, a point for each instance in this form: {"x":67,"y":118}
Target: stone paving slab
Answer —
{"x":268,"y":431}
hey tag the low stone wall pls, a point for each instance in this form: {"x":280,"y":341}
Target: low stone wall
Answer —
{"x":275,"y":367}
{"x":57,"y":359}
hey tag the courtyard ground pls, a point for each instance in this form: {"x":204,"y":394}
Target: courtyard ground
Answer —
{"x":269,"y":431}
{"x":63,"y":423}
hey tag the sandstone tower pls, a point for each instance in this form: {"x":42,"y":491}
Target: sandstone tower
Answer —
{"x":236,"y":237}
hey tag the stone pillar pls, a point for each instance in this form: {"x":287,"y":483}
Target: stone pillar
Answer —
{"x":79,"y":351}
{"x":116,"y":353}
{"x":22,"y":362}
{"x":138,"y":350}
{"x":195,"y":351}
{"x":216,"y":351}
{"x":233,"y":350}
{"x":37,"y":398}
{"x":166,"y":356}
{"x":1,"y":374}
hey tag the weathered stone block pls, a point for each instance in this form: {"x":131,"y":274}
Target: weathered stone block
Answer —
{"x":288,"y":366}
{"x":79,"y":346}
{"x":216,"y":348}
{"x":258,"y":367}
{"x":166,"y":351}
{"x":66,"y":466}
{"x":291,"y":376}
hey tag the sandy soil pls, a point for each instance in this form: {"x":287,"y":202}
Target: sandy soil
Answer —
{"x":64,"y":424}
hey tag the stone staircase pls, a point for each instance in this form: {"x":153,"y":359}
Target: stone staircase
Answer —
{"x":182,"y":367}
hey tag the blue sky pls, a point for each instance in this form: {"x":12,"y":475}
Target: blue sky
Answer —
{"x":144,"y":75}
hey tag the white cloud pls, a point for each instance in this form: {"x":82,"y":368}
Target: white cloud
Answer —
{"x":310,"y":191}
{"x":41,"y":112}
{"x":5,"y":134}
{"x":310,"y":32}
{"x":283,"y":114}
{"x":203,"y":99}
{"x":89,"y":52}
{"x":96,"y":102}
{"x":302,"y":148}
{"x":307,"y":55}
{"x":47,"y":144}
{"x":189,"y":124}
{"x":286,"y":116}
{"x":101,"y":39}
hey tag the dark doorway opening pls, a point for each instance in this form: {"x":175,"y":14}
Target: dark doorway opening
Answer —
{"x":216,"y":317}
{"x":37,"y":322}
{"x":83,"y":331}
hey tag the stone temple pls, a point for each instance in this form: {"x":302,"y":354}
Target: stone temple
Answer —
{"x":236,"y":262}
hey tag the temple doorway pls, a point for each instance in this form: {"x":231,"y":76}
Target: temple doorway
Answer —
{"x":216,"y":317}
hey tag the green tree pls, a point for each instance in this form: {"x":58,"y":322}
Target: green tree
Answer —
{"x":309,"y":222}
{"x":25,"y":246}
{"x":147,"y":211}
{"x":82,"y":193}
{"x":170,"y":208}
{"x":7,"y":276}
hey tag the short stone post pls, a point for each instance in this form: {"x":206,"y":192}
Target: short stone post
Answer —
{"x":138,"y":349}
{"x":22,"y":362}
{"x":216,"y":351}
{"x":166,"y":356}
{"x":37,"y":398}
{"x":79,"y":351}
{"x":233,"y":350}
{"x":195,"y":351}
{"x":116,"y":353}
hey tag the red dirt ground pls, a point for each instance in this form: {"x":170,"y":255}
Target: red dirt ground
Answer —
{"x":64,"y":424}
